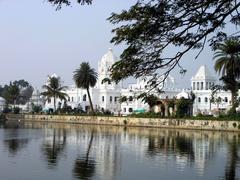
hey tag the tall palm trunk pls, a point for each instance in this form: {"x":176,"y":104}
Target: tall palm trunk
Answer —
{"x":90,"y":100}
{"x":233,"y":99}
{"x":54,"y":102}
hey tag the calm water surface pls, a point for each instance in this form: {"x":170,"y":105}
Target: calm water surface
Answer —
{"x":57,"y":151}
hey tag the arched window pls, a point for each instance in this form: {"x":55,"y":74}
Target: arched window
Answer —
{"x":206,"y":99}
{"x":225,"y":99}
{"x":84,"y":97}
{"x":130,"y":98}
{"x":201,"y":85}
{"x":199,"y":99}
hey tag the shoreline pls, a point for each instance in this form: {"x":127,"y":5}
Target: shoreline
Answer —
{"x":211,"y":125}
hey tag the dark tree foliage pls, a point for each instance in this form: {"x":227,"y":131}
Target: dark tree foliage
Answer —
{"x":17,"y":92}
{"x":150,"y":27}
{"x":59,"y":3}
{"x":21,"y":83}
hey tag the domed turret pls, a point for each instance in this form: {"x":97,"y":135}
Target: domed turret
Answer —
{"x":182,"y":94}
{"x":106,"y":62}
{"x":104,"y":66}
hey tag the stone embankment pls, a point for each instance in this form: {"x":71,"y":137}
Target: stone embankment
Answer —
{"x":135,"y":122}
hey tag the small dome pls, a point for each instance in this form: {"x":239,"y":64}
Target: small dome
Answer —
{"x":2,"y":101}
{"x":182,"y":94}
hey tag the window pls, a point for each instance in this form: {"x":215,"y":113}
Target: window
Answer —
{"x":102,"y":98}
{"x":201,"y":85}
{"x":199,"y":99}
{"x":206,"y":99}
{"x":110,"y":99}
{"x":225,"y":99}
{"x":84,"y":97}
{"x":130,"y":98}
{"x":219,"y":99}
{"x":197,"y":85}
{"x":193,"y":85}
{"x":130,"y":110}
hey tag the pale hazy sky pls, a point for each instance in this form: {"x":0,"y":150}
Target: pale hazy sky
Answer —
{"x":36,"y":40}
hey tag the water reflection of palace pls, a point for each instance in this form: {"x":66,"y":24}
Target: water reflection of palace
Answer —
{"x":103,"y":151}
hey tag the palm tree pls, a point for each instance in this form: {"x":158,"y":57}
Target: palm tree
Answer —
{"x":54,"y":89}
{"x":228,"y":64}
{"x":85,"y":77}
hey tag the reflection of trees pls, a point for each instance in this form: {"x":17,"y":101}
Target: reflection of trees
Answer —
{"x":15,"y":145}
{"x":52,"y":150}
{"x":232,"y":160}
{"x":171,"y":143}
{"x":14,"y":142}
{"x":185,"y":146}
{"x":84,"y":167}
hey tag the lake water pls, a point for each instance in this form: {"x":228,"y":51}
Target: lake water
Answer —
{"x":61,"y":151}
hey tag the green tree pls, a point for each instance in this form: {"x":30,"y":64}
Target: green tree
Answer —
{"x":227,"y":56}
{"x":54,"y":89}
{"x":85,"y":77}
{"x":59,"y":3}
{"x":21,"y":83}
{"x":11,"y":93}
{"x":150,"y":27}
{"x":151,"y":100}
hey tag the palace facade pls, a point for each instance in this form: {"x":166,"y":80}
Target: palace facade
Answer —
{"x":105,"y":96}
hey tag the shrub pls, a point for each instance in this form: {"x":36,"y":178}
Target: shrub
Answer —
{"x":16,"y":110}
{"x":36,"y":108}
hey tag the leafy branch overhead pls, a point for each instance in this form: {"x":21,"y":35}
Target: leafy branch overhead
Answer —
{"x":152,"y":27}
{"x":59,"y":3}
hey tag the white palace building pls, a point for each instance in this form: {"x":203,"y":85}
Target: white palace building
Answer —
{"x":105,"y":96}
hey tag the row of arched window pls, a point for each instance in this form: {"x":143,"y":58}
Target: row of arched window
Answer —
{"x":84,"y":98}
{"x":110,"y":99}
{"x":202,"y":85}
{"x":225,"y":99}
